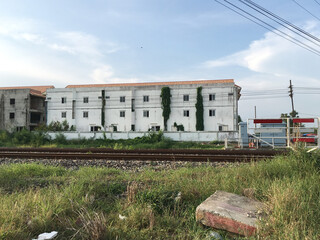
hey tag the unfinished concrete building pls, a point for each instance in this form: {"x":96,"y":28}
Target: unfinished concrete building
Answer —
{"x":22,"y":107}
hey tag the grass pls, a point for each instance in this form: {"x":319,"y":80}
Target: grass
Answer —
{"x":154,"y":140}
{"x":86,"y":203}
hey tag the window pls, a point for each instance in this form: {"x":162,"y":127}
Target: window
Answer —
{"x":212,"y":97}
{"x":223,"y":128}
{"x":95,"y":128}
{"x":230,"y":96}
{"x":133,"y":127}
{"x":146,"y":113}
{"x":155,"y":128}
{"x":85,"y":114}
{"x":86,"y":100}
{"x":122,"y":113}
{"x":145,"y":98}
{"x":12,"y":101}
{"x":186,"y":113}
{"x":122,"y":99}
{"x":63,"y":100}
{"x":19,"y":129}
{"x":186,"y":98}
{"x":12,"y":115}
{"x":212,"y":112}
{"x":63,"y":114}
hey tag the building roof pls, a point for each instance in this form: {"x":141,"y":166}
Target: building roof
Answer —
{"x":152,"y":83}
{"x":34,"y":90}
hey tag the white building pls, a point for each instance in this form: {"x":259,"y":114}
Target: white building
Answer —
{"x":137,"y":106}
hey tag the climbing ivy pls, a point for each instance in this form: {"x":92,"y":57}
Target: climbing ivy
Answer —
{"x":102,"y":108}
{"x":165,"y":102}
{"x":199,"y":110}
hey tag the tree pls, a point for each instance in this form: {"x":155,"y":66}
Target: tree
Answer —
{"x":291,"y":115}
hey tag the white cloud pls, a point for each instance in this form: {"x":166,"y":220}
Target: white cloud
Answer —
{"x":102,"y":74}
{"x":29,"y":51}
{"x":33,"y":38}
{"x":77,"y":43}
{"x":274,"y":56}
{"x":269,"y":63}
{"x":105,"y":74}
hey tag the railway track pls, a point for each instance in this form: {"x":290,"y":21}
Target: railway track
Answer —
{"x":187,"y":155}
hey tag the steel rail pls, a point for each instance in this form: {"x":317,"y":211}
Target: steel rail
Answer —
{"x":146,"y":151}
{"x":134,"y":157}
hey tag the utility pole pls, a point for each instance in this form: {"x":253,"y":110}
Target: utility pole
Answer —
{"x":255,"y":115}
{"x":255,"y":111}
{"x":291,"y":96}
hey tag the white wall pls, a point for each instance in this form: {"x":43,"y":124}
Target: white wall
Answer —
{"x":175,"y":136}
{"x":225,"y":107}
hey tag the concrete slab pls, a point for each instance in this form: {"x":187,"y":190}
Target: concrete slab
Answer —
{"x":230,"y":212}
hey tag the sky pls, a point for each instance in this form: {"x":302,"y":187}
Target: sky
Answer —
{"x":58,"y":43}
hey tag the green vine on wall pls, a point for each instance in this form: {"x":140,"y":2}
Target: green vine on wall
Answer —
{"x":199,"y":110}
{"x":102,"y":108}
{"x":165,"y":102}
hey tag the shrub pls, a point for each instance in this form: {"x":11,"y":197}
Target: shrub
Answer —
{"x":22,"y":137}
{"x":60,"y":139}
{"x":65,"y":125}
{"x":40,"y":138}
{"x":4,"y":138}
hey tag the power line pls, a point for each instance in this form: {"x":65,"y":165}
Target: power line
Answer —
{"x":290,"y":29}
{"x":317,"y":2}
{"x":307,"y":88}
{"x":305,"y":9}
{"x":270,"y":28}
{"x":310,"y":93}
{"x":282,"y":20}
{"x":256,"y":98}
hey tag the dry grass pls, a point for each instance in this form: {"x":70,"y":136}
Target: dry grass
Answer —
{"x":86,"y":203}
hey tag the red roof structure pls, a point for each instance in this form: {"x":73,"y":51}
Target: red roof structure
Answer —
{"x":152,"y":83}
{"x":34,"y":90}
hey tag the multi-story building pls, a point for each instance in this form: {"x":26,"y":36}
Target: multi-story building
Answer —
{"x":22,"y":107}
{"x":137,"y":106}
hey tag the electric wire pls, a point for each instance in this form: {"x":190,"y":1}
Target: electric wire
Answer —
{"x":283,"y":20}
{"x":271,"y":28}
{"x":317,"y":2}
{"x":305,"y":9}
{"x":307,"y":88}
{"x":280,"y":23}
{"x":257,"y":98}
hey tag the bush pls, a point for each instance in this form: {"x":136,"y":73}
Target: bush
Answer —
{"x":22,"y":137}
{"x":4,"y":138}
{"x":60,"y":139}
{"x":40,"y":138}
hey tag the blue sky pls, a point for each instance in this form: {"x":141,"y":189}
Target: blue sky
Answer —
{"x":106,"y":41}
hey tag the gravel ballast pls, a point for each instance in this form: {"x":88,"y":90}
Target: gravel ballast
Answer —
{"x":124,"y":165}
